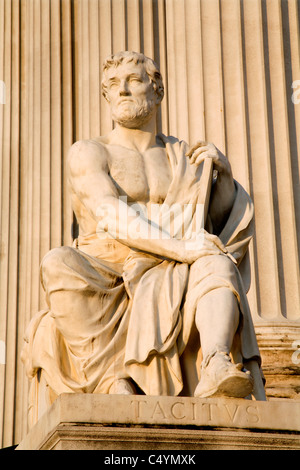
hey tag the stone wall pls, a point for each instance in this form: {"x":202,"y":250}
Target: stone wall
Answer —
{"x":229,"y":67}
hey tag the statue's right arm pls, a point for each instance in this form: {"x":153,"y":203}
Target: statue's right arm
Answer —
{"x":90,"y":181}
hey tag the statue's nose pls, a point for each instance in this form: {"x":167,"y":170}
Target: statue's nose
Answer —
{"x":124,"y":88}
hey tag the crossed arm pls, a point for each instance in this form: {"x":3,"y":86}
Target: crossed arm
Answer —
{"x":90,"y":181}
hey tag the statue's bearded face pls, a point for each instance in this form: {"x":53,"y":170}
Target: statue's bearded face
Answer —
{"x":131,"y":95}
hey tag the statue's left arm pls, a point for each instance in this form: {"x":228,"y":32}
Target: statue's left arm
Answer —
{"x":223,"y":190}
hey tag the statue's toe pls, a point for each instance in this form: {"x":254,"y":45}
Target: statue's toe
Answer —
{"x":122,"y":387}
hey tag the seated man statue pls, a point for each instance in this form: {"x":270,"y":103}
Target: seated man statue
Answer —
{"x":147,"y":300}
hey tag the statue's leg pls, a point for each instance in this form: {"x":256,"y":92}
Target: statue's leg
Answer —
{"x":217,"y":319}
{"x":88,"y":303}
{"x":76,"y":285}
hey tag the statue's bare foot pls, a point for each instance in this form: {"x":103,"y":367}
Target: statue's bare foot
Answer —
{"x":122,"y":387}
{"x":220,"y":377}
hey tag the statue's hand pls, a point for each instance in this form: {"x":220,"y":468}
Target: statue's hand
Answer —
{"x":206,"y":244}
{"x":202,"y":150}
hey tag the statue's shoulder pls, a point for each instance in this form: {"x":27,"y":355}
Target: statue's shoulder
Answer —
{"x":88,"y":146}
{"x":167,"y":139}
{"x":87,"y":154}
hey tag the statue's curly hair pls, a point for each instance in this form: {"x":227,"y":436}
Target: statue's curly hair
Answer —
{"x":138,"y":58}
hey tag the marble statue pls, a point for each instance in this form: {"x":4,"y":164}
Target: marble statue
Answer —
{"x":151,"y":297}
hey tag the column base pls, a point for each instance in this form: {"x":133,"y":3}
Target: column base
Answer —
{"x":279,"y":346}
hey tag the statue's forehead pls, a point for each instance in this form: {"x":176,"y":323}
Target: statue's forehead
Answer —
{"x":125,"y":69}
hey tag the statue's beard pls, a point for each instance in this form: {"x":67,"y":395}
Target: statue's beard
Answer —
{"x":133,"y":115}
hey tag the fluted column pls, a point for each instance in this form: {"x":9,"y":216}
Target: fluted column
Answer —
{"x":36,"y":125}
{"x":9,"y":203}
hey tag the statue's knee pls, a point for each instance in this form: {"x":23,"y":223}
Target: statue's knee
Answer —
{"x":53,"y":261}
{"x":223,"y":264}
{"x":219,"y":265}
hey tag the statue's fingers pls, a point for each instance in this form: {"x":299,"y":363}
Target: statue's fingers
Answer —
{"x":199,"y":159}
{"x":202,"y":157}
{"x":199,"y":144}
{"x":199,"y":152}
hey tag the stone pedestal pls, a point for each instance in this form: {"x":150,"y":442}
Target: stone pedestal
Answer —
{"x":114,"y":422}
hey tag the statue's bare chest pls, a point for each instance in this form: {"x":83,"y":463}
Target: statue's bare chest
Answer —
{"x":141,"y":177}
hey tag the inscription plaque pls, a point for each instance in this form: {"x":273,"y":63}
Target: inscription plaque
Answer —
{"x":198,"y":412}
